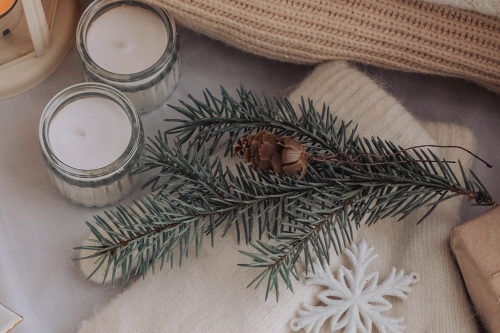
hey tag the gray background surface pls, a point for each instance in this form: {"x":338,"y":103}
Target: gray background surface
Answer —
{"x":39,"y":228}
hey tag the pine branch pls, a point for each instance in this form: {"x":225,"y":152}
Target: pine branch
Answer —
{"x":349,"y":181}
{"x":209,"y":121}
{"x":143,"y":237}
{"x":391,"y":181}
{"x":190,"y":194}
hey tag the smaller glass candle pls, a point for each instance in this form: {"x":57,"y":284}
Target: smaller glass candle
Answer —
{"x":132,"y":46}
{"x":91,"y":139}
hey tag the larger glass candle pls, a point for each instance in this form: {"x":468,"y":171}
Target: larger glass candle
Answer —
{"x":91,"y":139}
{"x":132,"y":46}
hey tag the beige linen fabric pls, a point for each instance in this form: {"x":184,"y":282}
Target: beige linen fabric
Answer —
{"x":208,"y":294}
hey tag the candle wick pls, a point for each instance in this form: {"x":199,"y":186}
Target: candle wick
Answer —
{"x":82,"y":133}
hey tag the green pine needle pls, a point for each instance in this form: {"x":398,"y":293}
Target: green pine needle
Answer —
{"x":351,"y":180}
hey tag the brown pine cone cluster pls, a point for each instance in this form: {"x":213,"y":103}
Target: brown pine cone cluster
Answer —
{"x":269,"y":152}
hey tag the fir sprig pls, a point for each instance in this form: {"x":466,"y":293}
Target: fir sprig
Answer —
{"x":350,"y":181}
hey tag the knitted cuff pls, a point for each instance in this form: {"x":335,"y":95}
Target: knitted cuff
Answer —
{"x":353,"y":96}
{"x":406,"y":35}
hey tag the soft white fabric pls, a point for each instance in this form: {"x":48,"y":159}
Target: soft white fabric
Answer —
{"x":488,"y":7}
{"x":208,"y":294}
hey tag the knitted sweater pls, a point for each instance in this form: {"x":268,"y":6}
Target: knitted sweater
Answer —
{"x":406,"y":35}
{"x":208,"y":294}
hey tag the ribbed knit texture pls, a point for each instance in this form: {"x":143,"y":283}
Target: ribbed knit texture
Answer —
{"x":406,"y":35}
{"x":208,"y":294}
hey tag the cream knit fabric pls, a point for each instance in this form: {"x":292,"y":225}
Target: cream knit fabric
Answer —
{"x":208,"y":294}
{"x":406,"y":35}
{"x":488,"y":7}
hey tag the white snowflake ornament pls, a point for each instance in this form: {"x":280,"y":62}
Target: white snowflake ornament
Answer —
{"x":354,"y":301}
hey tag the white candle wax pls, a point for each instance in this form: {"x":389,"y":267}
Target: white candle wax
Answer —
{"x":90,"y":133}
{"x":127,"y":40}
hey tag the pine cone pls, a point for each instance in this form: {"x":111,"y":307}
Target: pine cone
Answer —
{"x":269,"y":152}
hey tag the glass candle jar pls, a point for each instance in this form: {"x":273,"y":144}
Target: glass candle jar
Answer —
{"x":132,"y":46}
{"x":91,"y":139}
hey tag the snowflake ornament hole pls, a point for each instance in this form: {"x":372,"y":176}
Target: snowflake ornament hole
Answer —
{"x":354,"y":300}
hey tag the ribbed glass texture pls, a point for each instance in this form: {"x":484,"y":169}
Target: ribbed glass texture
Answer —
{"x":99,"y":187}
{"x":147,"y":89}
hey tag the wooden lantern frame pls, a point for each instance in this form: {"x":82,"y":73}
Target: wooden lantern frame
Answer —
{"x":52,"y":35}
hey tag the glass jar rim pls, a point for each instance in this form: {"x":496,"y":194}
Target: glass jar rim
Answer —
{"x":71,"y":94}
{"x":95,"y":10}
